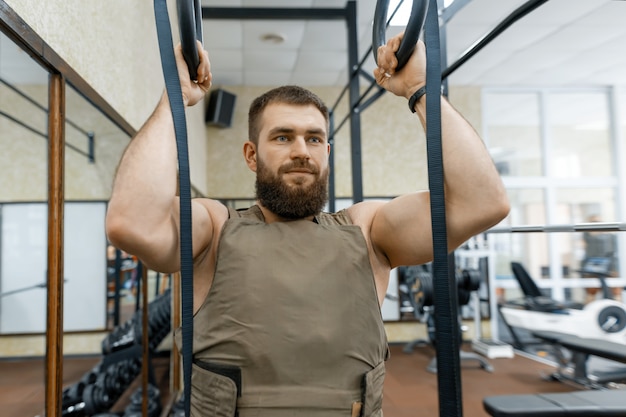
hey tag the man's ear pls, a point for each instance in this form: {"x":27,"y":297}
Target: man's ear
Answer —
{"x":250,"y":155}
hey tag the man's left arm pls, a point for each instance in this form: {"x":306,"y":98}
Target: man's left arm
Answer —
{"x":475,"y":198}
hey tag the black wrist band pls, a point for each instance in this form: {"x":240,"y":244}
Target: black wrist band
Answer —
{"x":415,"y":98}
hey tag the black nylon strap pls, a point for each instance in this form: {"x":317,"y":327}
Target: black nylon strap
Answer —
{"x":174,"y":93}
{"x":444,"y":283}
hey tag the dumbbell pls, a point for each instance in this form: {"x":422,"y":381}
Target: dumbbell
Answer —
{"x":134,"y":409}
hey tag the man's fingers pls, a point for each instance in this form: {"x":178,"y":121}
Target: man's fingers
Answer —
{"x":387,"y":60}
{"x":204,"y":66}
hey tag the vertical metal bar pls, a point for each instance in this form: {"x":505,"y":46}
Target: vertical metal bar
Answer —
{"x":91,"y":147}
{"x":354,"y":96}
{"x":331,"y":164}
{"x":118,"y":285}
{"x":617,"y":141}
{"x":139,"y":272}
{"x":1,"y":280}
{"x":555,"y":280}
{"x":157,"y":284}
{"x":493,"y":297}
{"x":54,"y":328}
{"x":145,"y":362}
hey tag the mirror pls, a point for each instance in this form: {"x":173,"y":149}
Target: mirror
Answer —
{"x":23,"y":178}
{"x":94,"y":145}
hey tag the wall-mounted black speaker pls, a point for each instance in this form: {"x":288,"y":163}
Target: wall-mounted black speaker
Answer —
{"x":220,"y":109}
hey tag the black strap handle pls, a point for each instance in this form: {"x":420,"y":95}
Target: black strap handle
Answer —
{"x":445,"y":290}
{"x":190,"y":27}
{"x":444,"y":283}
{"x":411,"y":34}
{"x":174,"y":94}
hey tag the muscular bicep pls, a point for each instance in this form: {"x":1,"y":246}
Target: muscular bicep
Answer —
{"x":205,"y":214}
{"x":157,"y":243}
{"x":401,"y":230}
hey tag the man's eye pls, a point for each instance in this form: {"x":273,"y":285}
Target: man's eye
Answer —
{"x":282,"y":138}
{"x":315,"y":140}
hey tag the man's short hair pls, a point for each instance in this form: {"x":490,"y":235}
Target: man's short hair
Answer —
{"x":288,"y":94}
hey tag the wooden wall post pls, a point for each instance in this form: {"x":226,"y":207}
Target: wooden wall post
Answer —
{"x":56,"y":198}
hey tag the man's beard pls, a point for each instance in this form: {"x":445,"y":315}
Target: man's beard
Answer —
{"x":291,"y":202}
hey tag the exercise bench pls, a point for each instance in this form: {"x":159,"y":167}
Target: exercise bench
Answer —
{"x":589,"y":403}
{"x":581,"y":349}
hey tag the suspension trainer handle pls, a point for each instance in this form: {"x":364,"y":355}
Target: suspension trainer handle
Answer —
{"x":190,"y":27}
{"x":411,"y":34}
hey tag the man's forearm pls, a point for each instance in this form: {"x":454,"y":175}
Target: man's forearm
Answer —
{"x":472,"y":184}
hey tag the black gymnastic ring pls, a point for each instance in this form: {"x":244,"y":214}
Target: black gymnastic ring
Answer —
{"x":190,"y":27}
{"x":411,"y":34}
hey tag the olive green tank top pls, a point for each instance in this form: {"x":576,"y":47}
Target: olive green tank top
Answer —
{"x":293,"y":306}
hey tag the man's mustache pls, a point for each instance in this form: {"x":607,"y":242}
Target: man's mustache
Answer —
{"x":298,"y":164}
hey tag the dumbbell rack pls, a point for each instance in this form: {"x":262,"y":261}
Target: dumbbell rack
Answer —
{"x":101,"y":387}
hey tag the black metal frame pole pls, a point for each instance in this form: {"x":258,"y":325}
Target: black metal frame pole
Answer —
{"x":92,"y":147}
{"x":138,"y":291}
{"x":263,"y":13}
{"x":513,"y":17}
{"x":332,"y":197}
{"x":118,"y":284}
{"x":354,"y":97}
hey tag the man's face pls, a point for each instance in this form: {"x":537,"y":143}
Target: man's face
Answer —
{"x":292,"y":161}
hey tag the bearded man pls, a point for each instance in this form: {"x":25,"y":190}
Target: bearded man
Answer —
{"x":286,"y":297}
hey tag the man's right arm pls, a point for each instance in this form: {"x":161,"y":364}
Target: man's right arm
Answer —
{"x":143,"y":212}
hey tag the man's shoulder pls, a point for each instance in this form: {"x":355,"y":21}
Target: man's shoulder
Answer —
{"x":360,"y":214}
{"x":364,"y":212}
{"x":218,"y":212}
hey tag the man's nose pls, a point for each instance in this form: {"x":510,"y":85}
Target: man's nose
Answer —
{"x":299,"y":149}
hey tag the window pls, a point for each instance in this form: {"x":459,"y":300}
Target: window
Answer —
{"x":557,"y":154}
{"x":579,"y":135}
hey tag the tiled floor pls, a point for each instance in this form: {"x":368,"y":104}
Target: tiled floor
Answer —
{"x":409,"y":389}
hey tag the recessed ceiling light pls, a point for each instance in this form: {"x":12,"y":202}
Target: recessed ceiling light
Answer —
{"x":271,"y":37}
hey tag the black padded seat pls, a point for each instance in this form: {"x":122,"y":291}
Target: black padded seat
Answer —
{"x":594,"y":403}
{"x":597,"y":347}
{"x":534,"y":299}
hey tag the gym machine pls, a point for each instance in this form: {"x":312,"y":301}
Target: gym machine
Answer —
{"x":417,"y":288}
